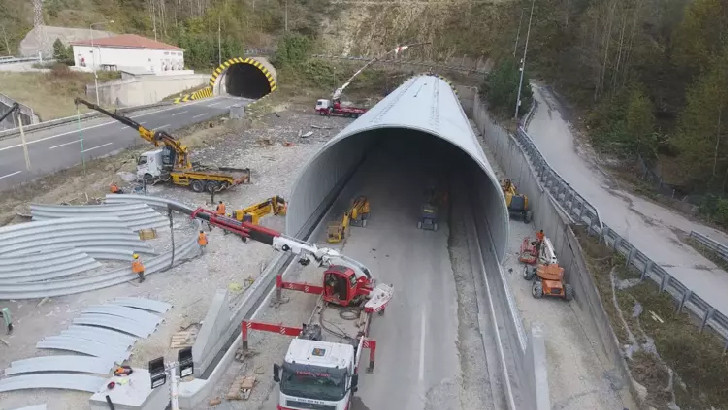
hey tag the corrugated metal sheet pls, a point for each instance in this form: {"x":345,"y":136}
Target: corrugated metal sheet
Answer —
{"x":70,"y":364}
{"x":120,"y":324}
{"x":140,"y":303}
{"x":137,"y":315}
{"x":82,"y":382}
{"x":91,"y":348}
{"x":36,"y":407}
{"x":134,"y":216}
{"x":50,"y":288}
{"x":423,"y":103}
{"x":153,"y":201}
{"x":99,"y":334}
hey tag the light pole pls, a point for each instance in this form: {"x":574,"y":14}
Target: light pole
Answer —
{"x":96,"y":77}
{"x":523,"y":62}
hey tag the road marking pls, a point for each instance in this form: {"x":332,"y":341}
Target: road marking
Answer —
{"x":199,"y":115}
{"x":165,"y":126}
{"x":215,"y":104}
{"x":423,"y":327}
{"x":63,"y":145}
{"x":9,"y":175}
{"x":97,"y":146}
{"x":143,"y":122}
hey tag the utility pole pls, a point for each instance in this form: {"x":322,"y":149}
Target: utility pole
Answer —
{"x":22,"y":141}
{"x":93,"y":54}
{"x":154,"y":22}
{"x":286,"y":17}
{"x":219,"y":53}
{"x":523,"y":62}
{"x":518,"y":34}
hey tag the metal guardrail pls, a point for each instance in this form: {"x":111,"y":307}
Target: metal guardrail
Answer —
{"x":581,"y":211}
{"x":717,"y":247}
{"x":11,"y":59}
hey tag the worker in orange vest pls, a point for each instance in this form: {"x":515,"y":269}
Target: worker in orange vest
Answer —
{"x":539,"y":240}
{"x":220,"y":210}
{"x":115,"y":188}
{"x":202,"y":241}
{"x":138,"y":267}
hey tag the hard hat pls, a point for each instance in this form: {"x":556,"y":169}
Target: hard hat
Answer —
{"x":135,"y":256}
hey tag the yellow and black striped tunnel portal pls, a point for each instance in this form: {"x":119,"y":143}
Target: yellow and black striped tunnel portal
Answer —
{"x":243,"y":77}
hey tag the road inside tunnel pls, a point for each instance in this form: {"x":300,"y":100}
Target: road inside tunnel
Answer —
{"x":420,"y":349}
{"x":246,"y":80}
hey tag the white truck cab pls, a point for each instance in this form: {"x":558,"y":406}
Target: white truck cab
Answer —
{"x":317,"y":375}
{"x":150,"y":163}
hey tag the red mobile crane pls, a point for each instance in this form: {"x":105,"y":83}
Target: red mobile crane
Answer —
{"x":321,"y":365}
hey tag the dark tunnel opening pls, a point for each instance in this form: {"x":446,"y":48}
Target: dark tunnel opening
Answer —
{"x":246,"y":80}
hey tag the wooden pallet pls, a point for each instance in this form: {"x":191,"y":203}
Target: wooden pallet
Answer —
{"x":185,"y":338}
{"x":241,"y":388}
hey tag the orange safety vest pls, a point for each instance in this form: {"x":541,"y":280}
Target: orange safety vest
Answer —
{"x":137,"y":266}
{"x":539,"y":236}
{"x":202,"y":239}
{"x":114,"y":188}
{"x":220,"y":209}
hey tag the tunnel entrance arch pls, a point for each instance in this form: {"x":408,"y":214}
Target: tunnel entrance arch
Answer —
{"x":424,"y":111}
{"x":244,"y":77}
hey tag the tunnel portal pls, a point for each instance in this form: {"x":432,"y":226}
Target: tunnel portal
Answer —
{"x":422,"y":123}
{"x":246,"y":80}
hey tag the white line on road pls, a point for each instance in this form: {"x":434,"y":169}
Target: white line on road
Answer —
{"x":423,"y":335}
{"x":63,"y":145}
{"x":199,"y":115}
{"x":164,"y":126}
{"x":215,"y":104}
{"x":97,"y":146}
{"x":9,"y":175}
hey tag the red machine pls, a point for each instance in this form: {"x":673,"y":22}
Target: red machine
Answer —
{"x":328,"y":107}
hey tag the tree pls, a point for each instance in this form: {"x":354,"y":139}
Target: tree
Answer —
{"x":501,"y":88}
{"x":292,"y":49}
{"x":61,"y":53}
{"x":702,"y":34}
{"x":640,"y":123}
{"x":702,"y":138}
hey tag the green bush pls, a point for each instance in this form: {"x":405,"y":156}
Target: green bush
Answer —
{"x":293,"y":49}
{"x":715,"y":209}
{"x":501,"y":88}
{"x":62,"y":54}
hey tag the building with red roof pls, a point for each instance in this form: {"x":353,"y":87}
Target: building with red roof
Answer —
{"x":127,"y":51}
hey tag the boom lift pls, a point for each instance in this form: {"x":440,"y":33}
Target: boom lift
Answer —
{"x":516,"y":203}
{"x":275,"y":205}
{"x":321,"y":365}
{"x":356,"y":215}
{"x":172,"y":161}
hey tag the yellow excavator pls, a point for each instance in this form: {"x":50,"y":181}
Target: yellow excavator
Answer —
{"x":171,"y":162}
{"x":275,"y":205}
{"x":516,"y":203}
{"x":356,"y":215}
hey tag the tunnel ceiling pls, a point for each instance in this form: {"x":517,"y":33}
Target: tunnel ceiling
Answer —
{"x":424,"y":103}
{"x":244,"y":77}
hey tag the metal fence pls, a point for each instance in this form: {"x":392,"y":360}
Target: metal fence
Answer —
{"x":581,"y":211}
{"x":720,"y":249}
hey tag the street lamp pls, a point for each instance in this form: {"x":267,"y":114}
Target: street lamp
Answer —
{"x":96,"y":77}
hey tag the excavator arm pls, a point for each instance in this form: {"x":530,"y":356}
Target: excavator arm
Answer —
{"x":14,"y":108}
{"x":157,"y":138}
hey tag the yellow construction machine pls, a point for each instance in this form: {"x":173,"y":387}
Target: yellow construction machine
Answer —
{"x":356,"y":215}
{"x":516,"y":203}
{"x":172,"y":161}
{"x":275,"y":205}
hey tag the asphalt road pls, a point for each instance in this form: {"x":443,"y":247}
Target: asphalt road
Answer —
{"x":650,"y":227}
{"x":62,"y":147}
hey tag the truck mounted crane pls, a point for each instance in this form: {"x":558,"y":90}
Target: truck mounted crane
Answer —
{"x":275,"y":205}
{"x":172,"y":161}
{"x":320,"y":368}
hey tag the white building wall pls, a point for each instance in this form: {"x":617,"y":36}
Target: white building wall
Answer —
{"x":100,"y":58}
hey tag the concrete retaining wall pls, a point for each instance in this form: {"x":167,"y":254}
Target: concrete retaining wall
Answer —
{"x":549,"y":216}
{"x":143,"y":90}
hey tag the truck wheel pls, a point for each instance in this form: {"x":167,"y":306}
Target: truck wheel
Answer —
{"x":198,"y":186}
{"x":212,"y":186}
{"x":419,"y":225}
{"x":528,"y":217}
{"x":528,"y":274}
{"x":568,"y":292}
{"x":148,"y":178}
{"x":537,"y":290}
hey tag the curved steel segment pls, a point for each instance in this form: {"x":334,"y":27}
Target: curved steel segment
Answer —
{"x":424,"y":105}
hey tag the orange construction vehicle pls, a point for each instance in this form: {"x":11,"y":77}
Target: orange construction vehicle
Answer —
{"x":549,"y":281}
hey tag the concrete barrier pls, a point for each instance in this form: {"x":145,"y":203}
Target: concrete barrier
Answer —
{"x":144,"y":89}
{"x":554,"y":220}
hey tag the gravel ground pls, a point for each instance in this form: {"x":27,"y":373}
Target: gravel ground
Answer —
{"x":189,"y":286}
{"x":578,"y":379}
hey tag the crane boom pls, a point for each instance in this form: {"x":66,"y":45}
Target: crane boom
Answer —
{"x":14,"y":108}
{"x":306,"y":251}
{"x":157,"y":138}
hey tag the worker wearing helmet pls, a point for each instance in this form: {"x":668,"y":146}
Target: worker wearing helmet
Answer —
{"x":220,"y":210}
{"x":138,"y":267}
{"x":115,"y":188}
{"x":202,"y":241}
